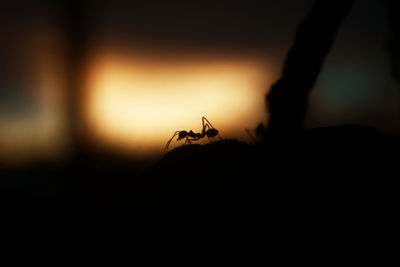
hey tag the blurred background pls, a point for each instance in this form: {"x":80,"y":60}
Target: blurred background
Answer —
{"x":123,"y":76}
{"x":91,"y":91}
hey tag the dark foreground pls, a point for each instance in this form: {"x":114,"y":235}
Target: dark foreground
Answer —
{"x":325,"y":196}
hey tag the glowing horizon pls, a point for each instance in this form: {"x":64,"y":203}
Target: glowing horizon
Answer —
{"x":138,"y":103}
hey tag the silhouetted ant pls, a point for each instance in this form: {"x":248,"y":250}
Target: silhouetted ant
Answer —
{"x":208,"y":130}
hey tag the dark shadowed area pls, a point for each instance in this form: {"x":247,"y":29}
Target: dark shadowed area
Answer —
{"x":301,"y":167}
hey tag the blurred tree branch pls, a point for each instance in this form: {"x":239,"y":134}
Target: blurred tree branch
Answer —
{"x":394,"y":46}
{"x":287,"y":100}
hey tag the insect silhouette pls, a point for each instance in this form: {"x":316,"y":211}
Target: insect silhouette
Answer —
{"x":208,"y":130}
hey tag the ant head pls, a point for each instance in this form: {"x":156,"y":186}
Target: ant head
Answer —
{"x":182,"y":134}
{"x":211,"y":132}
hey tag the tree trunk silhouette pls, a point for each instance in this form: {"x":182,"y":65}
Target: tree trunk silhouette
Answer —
{"x":287,"y":100}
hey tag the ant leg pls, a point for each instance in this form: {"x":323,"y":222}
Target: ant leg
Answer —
{"x":187,"y":141}
{"x":192,"y":139}
{"x":212,"y":140}
{"x":169,"y":141}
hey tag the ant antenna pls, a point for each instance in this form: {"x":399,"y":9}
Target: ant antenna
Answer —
{"x":207,"y":123}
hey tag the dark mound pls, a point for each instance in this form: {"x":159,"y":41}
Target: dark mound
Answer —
{"x":212,"y":171}
{"x":323,"y":193}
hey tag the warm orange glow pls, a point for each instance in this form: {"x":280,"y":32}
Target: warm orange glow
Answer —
{"x":138,"y":103}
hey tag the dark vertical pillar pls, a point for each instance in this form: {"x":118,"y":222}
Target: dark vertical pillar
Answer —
{"x":75,"y":12}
